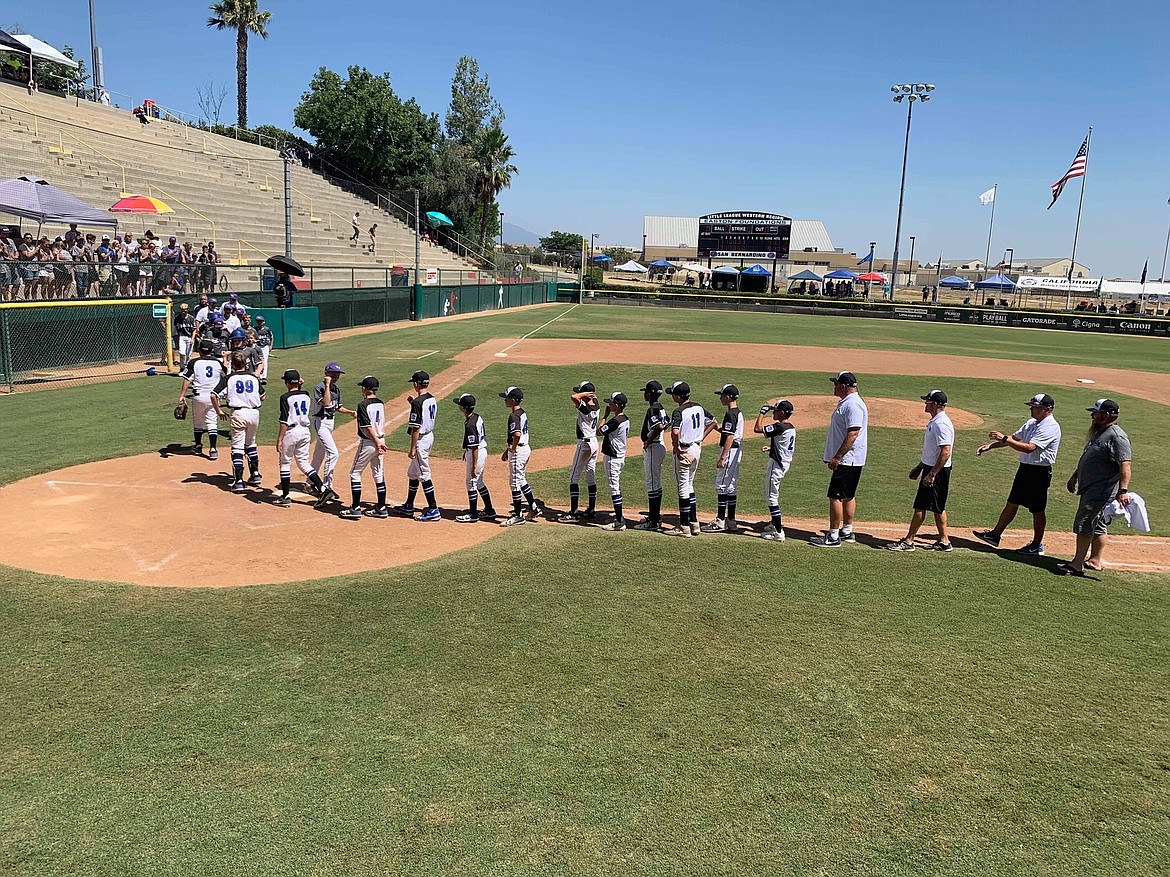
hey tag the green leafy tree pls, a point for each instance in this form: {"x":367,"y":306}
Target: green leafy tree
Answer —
{"x":244,"y":17}
{"x":620,"y":255}
{"x":51,"y":76}
{"x":561,"y":242}
{"x":494,"y":172}
{"x":361,"y":125}
{"x":473,"y":109}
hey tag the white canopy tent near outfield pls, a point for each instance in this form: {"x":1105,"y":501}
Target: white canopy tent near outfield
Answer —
{"x":695,"y":267}
{"x":632,"y":267}
{"x":40,"y":49}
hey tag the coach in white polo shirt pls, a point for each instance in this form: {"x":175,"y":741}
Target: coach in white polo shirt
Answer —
{"x":933,"y":473}
{"x":1037,"y":441}
{"x":846,"y":446}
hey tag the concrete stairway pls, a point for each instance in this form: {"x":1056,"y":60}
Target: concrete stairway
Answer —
{"x":220,"y":189}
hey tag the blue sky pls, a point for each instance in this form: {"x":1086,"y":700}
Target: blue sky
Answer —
{"x":616,"y":110}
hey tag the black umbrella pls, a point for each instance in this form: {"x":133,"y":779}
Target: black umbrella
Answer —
{"x":287,"y":264}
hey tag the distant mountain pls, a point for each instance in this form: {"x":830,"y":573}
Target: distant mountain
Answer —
{"x":514,"y":234}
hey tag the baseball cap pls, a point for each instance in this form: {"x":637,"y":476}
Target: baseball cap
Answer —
{"x":847,"y":378}
{"x":938,"y":397}
{"x":291,"y":376}
{"x":513,"y":393}
{"x":728,"y":390}
{"x":466,"y":400}
{"x":785,"y":406}
{"x":585,"y":387}
{"x":213,"y":301}
{"x":332,"y":367}
{"x":184,"y":306}
{"x":420,"y":377}
{"x":259,"y":318}
{"x":105,"y":237}
{"x":1043,"y":400}
{"x":1105,"y":406}
{"x":172,"y":237}
{"x":369,"y":382}
{"x":618,"y":398}
{"x":680,"y":388}
{"x":233,"y":296}
{"x":652,"y":387}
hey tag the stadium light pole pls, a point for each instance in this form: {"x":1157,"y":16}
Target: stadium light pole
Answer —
{"x":592,"y":240}
{"x":909,"y":92}
{"x":910,"y":272}
{"x":99,"y":68}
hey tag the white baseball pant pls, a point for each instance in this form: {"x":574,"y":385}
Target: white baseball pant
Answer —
{"x":245,"y":421}
{"x":686,"y":464}
{"x":613,"y":474}
{"x":295,"y":447}
{"x":184,"y":349}
{"x":420,"y":467}
{"x":475,"y":474}
{"x":652,"y":457}
{"x":772,"y":478}
{"x":727,"y":478}
{"x":203,"y":413}
{"x":585,"y":461}
{"x":517,"y":466}
{"x":325,"y":453}
{"x":367,"y":455}
{"x":264,"y":351}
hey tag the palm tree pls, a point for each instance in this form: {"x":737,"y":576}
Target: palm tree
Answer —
{"x":493,"y":172}
{"x":242,"y":16}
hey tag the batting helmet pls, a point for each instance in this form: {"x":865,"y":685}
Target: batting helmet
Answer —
{"x":238,"y":335}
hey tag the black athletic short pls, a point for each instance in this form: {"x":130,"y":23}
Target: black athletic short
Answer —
{"x":843,"y":483}
{"x":1030,"y":487}
{"x":933,"y":498}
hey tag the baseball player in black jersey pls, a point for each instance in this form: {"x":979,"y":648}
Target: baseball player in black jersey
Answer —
{"x":614,"y":434}
{"x":516,"y":456}
{"x":371,"y":426}
{"x":727,"y":467}
{"x":584,"y":399}
{"x":689,"y":425}
{"x":244,"y":395}
{"x":654,"y":428}
{"x":475,"y":451}
{"x":326,"y":406}
{"x":424,"y":410}
{"x":203,"y":374}
{"x":184,"y":322}
{"x":292,"y":442}
{"x":781,"y":437}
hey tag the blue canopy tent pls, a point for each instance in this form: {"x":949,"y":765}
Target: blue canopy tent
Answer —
{"x":661,"y":263}
{"x":804,"y":278}
{"x":757,"y":271}
{"x":841,"y":274}
{"x":954,"y":282}
{"x":755,"y":279}
{"x":725,"y":277}
{"x":806,"y":274}
{"x":995,"y":281}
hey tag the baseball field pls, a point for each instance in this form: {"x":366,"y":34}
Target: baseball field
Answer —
{"x":196,"y":682}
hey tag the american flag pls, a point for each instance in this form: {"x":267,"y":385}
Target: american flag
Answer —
{"x":1076,"y":169}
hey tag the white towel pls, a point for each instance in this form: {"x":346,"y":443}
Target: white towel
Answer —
{"x":1134,"y":513}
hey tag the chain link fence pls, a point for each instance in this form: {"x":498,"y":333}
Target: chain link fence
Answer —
{"x":77,"y":342}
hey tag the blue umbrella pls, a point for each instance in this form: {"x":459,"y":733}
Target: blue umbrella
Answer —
{"x":436,"y":219}
{"x":602,"y":258}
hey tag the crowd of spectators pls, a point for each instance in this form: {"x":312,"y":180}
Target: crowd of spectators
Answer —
{"x":84,"y":264}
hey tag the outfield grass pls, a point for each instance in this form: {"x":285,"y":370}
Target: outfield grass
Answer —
{"x":566,"y":701}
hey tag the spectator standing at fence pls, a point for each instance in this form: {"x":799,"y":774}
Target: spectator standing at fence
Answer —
{"x":9,"y":270}
{"x":213,"y":260}
{"x":357,"y":231}
{"x":45,"y":268}
{"x":62,"y":269}
{"x":72,"y":235}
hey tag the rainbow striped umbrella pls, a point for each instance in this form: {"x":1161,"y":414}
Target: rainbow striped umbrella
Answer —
{"x":140,"y":204}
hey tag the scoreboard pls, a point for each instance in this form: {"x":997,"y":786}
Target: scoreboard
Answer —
{"x":755,"y":236}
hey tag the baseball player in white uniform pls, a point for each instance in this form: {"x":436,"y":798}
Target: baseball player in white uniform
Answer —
{"x":614,"y":434}
{"x":371,"y":427}
{"x":516,"y":456}
{"x":727,"y":467}
{"x":689,"y":425}
{"x":292,"y":442}
{"x":326,"y":406}
{"x":475,"y":451}
{"x":584,"y":399}
{"x":203,"y":374}
{"x":781,"y":445}
{"x":244,"y":395}
{"x":424,"y":410}
{"x":654,"y":427}
{"x":264,"y":340}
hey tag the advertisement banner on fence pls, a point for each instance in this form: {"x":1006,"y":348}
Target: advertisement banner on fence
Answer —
{"x":432,"y":276}
{"x":912,"y":313}
{"x":1083,"y":285}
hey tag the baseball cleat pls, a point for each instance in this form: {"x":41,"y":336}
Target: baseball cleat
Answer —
{"x":405,"y":510}
{"x":1032,"y":549}
{"x":378,"y":511}
{"x":616,"y":526}
{"x":327,"y":496}
{"x":569,"y":518}
{"x":648,"y":525}
{"x":536,"y":511}
{"x":490,"y":514}
{"x":256,"y":480}
{"x":900,"y":545}
{"x":430,"y":515}
{"x":683,"y":532}
{"x":467,"y":519}
{"x":238,"y":487}
{"x":283,"y":501}
{"x":716,"y":526}
{"x":198,"y":450}
{"x":772,"y":534}
{"x":695,"y":528}
{"x":824,"y":541}
{"x":940,"y":546}
{"x":590,"y":514}
{"x":848,"y":537}
{"x":350,"y":514}
{"x":310,"y":488}
{"x":512,"y":521}
{"x":988,"y":536}
{"x":213,"y":454}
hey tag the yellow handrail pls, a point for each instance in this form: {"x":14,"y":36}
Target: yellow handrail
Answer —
{"x":266,"y":187}
{"x":112,"y":161}
{"x":313,"y":217}
{"x":27,"y":109}
{"x":150,"y":191}
{"x":328,"y":224}
{"x":240,"y":251}
{"x":247,"y":163}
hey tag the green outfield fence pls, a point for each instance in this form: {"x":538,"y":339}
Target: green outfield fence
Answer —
{"x":77,"y":341}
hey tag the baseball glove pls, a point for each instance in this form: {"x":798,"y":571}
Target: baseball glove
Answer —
{"x":181,"y":410}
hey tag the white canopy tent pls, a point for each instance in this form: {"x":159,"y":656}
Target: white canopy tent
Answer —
{"x":695,"y":267}
{"x":40,"y":49}
{"x":632,"y":267}
{"x":1132,"y":289}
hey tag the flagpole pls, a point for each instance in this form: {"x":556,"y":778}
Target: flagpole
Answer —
{"x":1165,"y":252}
{"x":990,"y":227}
{"x":1077,"y":232}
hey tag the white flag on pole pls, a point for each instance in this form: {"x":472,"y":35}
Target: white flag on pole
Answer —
{"x":987,"y":197}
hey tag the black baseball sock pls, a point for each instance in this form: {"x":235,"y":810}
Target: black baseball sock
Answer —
{"x":617,"y":508}
{"x":198,"y":438}
{"x":253,"y":460}
{"x":411,"y":491}
{"x":732,"y":499}
{"x":528,"y":495}
{"x":592,"y":497}
{"x":487,"y":500}
{"x":429,"y":493}
{"x":516,"y":506}
{"x":684,"y":511}
{"x":380,"y":486}
{"x":574,"y":497}
{"x":722,"y":506}
{"x":315,"y":479}
{"x":777,"y":518}
{"x":238,"y":465}
{"x":472,"y":503}
{"x":655,"y":507}
{"x":285,"y":481}
{"x":213,"y":437}
{"x":693,"y":504}
{"x":356,"y":489}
